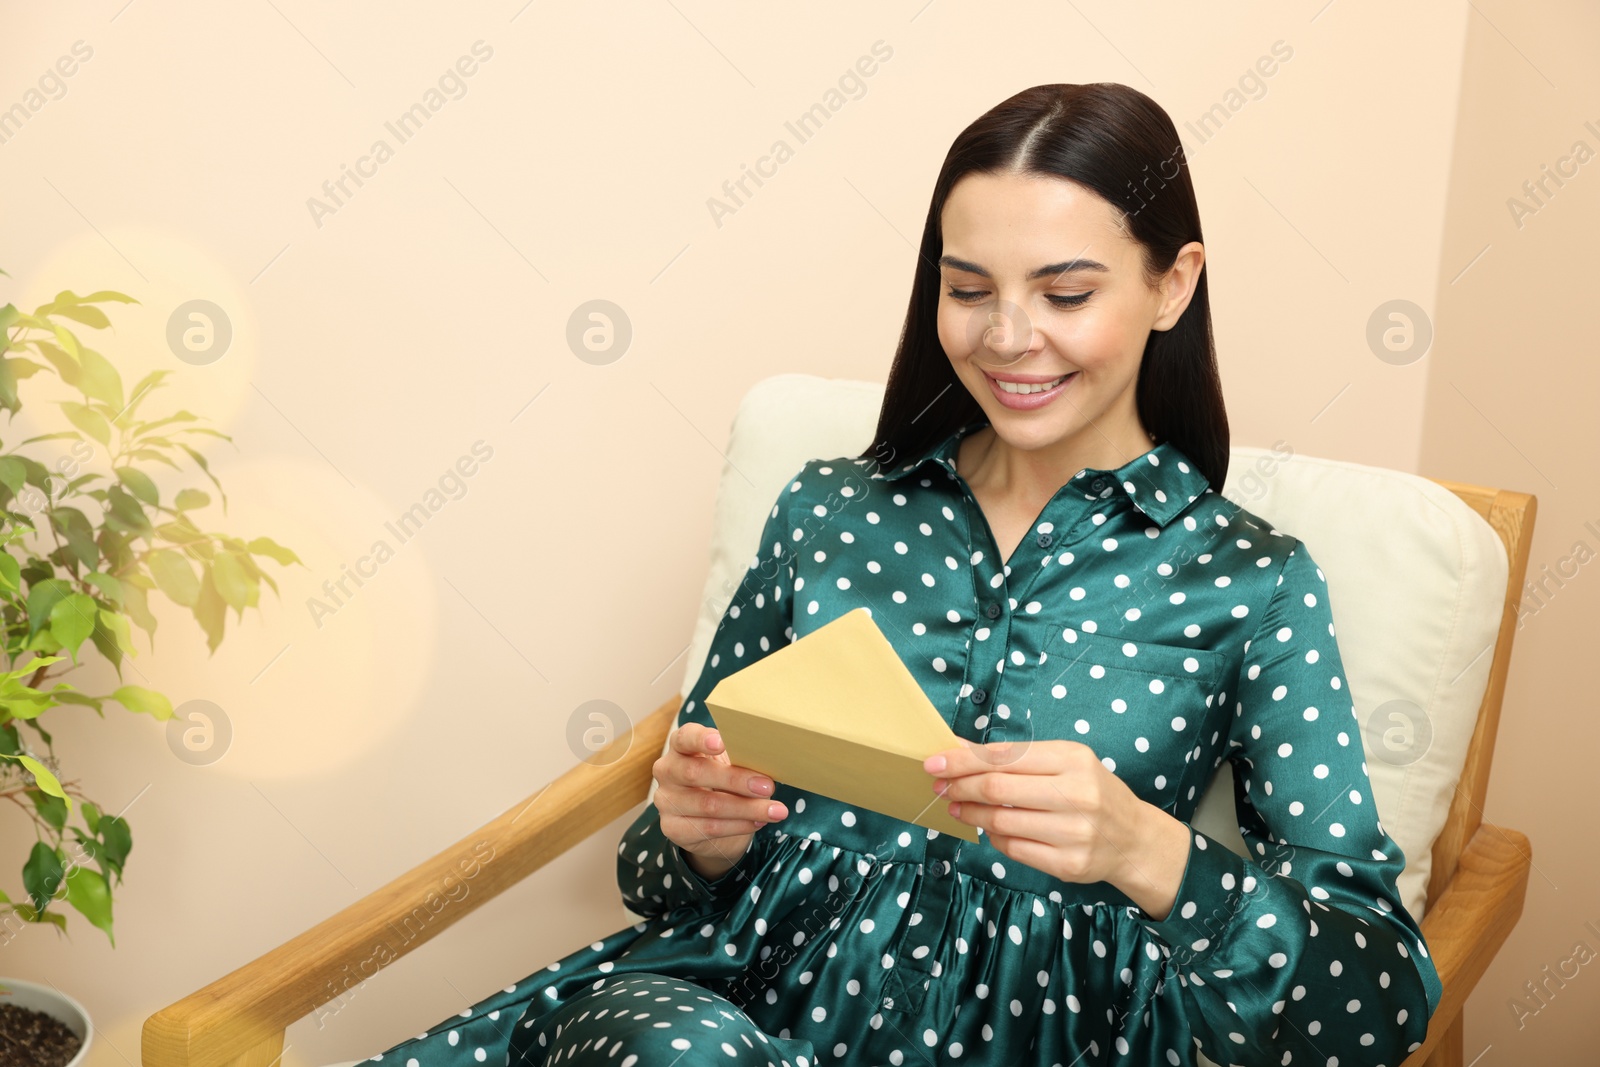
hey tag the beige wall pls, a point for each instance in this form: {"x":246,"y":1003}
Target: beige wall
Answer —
{"x":1511,"y":402}
{"x":375,"y":344}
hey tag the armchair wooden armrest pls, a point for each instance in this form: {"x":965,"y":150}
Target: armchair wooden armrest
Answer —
{"x":1467,"y":925}
{"x":239,"y":1020}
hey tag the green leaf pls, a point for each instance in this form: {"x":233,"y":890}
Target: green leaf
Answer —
{"x":63,"y":357}
{"x":127,"y":514}
{"x":139,"y":484}
{"x":180,"y":531}
{"x":52,"y":810}
{"x":88,"y":420}
{"x":41,"y":875}
{"x":37,"y":475}
{"x":89,"y":316}
{"x":8,"y":380}
{"x":44,"y":642}
{"x":113,"y":637}
{"x":174,"y":576}
{"x":82,"y":479}
{"x":192,"y":498}
{"x":65,"y":298}
{"x":211,"y":612}
{"x":42,"y":599}
{"x":79,"y":532}
{"x":137,"y":604}
{"x":27,"y":710}
{"x":55,"y":918}
{"x":100,"y":379}
{"x":111,"y":587}
{"x":10,"y":574}
{"x":87,"y":891}
{"x":58,"y":435}
{"x":100,"y":296}
{"x":118,"y":842}
{"x":72,"y":620}
{"x":43,"y":779}
{"x":65,"y":695}
{"x":153,"y":456}
{"x":23,"y":368}
{"x":32,"y":665}
{"x":181,"y":416}
{"x":266,"y":546}
{"x":200,"y":461}
{"x":238,"y":589}
{"x":138,"y":698}
{"x":148,"y":384}
{"x":13,"y":475}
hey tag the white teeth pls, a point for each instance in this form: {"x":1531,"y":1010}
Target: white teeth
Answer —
{"x":1021,"y":388}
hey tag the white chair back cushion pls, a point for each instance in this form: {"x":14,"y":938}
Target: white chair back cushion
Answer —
{"x":1417,"y":584}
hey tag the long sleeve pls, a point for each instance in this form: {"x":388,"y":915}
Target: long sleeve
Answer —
{"x":653,"y":873}
{"x":1307,"y":955}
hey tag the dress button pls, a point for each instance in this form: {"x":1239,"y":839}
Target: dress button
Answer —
{"x":1098,"y":484}
{"x":888,"y":1002}
{"x":992,"y":610}
{"x":980,"y":695}
{"x":939,"y":868}
{"x":1045,"y":539}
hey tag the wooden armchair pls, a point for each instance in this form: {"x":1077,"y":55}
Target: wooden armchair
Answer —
{"x":1474,"y":898}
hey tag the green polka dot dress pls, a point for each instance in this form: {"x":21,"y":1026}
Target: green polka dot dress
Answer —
{"x":1143,"y":615}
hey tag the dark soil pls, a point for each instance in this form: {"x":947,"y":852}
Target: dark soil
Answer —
{"x":30,"y":1038}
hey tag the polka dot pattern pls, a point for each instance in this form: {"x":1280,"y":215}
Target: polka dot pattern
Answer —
{"x":1141,"y":615}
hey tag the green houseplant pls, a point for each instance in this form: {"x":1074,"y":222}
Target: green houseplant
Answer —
{"x":83,"y":543}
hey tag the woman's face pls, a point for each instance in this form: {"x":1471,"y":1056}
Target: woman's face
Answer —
{"x":1040,"y":282}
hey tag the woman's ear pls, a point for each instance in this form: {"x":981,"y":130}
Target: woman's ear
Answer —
{"x":1178,"y":285}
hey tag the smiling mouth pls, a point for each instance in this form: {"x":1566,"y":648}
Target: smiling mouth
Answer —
{"x":1024,"y":388}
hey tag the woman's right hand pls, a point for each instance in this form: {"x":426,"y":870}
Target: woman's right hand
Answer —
{"x":709,"y":807}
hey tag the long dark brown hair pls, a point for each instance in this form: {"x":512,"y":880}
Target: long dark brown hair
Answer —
{"x":1120,"y":144}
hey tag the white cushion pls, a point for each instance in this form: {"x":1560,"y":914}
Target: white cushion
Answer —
{"x":781,"y":422}
{"x":1417,"y":583}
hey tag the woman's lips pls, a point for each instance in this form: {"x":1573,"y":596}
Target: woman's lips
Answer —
{"x":1029,"y":401}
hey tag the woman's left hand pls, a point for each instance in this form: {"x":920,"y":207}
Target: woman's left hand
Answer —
{"x":1053,"y":805}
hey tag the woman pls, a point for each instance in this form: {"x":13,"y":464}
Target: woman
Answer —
{"x":1038,"y":532}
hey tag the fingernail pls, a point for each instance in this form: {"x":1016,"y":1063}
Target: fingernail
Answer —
{"x":774,"y":811}
{"x":760,"y":785}
{"x":933,"y":764}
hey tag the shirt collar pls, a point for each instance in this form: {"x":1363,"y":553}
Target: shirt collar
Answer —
{"x":1161,"y":483}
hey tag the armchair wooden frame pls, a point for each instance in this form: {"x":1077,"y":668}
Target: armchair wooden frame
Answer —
{"x":1475,"y":895}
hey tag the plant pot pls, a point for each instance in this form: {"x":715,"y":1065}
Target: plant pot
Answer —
{"x":54,"y":1003}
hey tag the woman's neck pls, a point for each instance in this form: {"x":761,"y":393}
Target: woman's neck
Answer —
{"x":985,"y":460}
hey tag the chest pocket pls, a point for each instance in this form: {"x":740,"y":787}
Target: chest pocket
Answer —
{"x":1139,"y":705}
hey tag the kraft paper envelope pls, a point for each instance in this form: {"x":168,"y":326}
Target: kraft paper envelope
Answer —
{"x":837,"y":713}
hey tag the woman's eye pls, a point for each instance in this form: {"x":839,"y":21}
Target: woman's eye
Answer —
{"x":1057,"y":299}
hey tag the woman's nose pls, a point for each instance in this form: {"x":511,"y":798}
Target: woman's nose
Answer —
{"x":1003,"y":334}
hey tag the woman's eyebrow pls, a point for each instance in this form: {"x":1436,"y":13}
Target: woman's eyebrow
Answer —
{"x":1046,"y":271}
